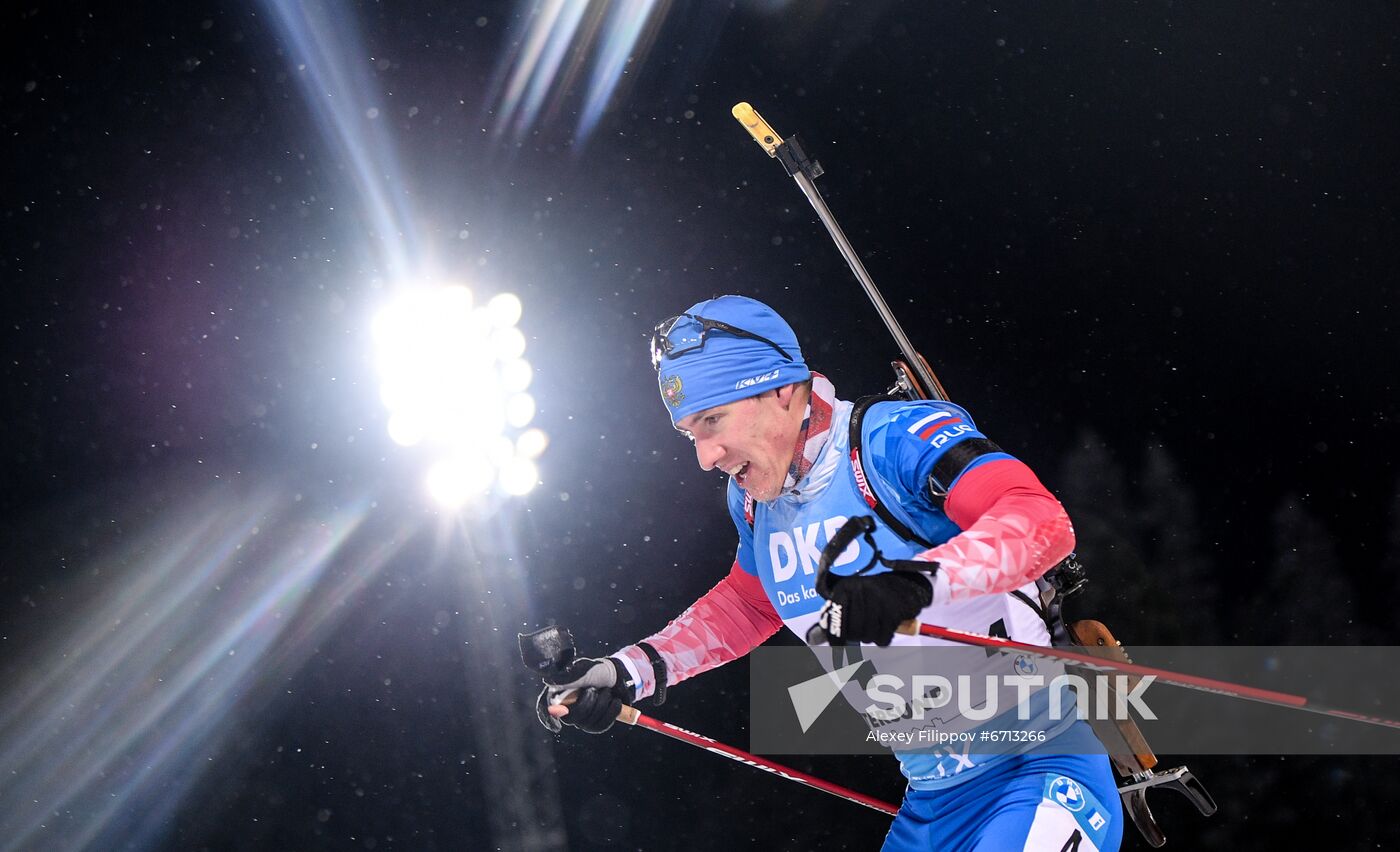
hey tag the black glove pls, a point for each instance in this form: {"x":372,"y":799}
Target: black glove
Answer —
{"x":599,"y":688}
{"x":868,"y":607}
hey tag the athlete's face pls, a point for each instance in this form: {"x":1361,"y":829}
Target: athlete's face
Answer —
{"x":752,"y":440}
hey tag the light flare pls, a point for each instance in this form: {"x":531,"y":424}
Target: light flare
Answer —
{"x":331,"y":66}
{"x":561,"y":39}
{"x":133,"y":698}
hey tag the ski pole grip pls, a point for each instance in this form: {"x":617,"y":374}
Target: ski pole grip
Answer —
{"x":759,"y":129}
{"x":627,"y":715}
{"x":908,"y":628}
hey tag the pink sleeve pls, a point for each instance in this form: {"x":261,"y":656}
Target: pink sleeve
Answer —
{"x":1014,"y":530}
{"x":727,"y":622}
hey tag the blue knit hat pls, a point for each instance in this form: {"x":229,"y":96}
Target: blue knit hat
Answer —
{"x":709,"y":366}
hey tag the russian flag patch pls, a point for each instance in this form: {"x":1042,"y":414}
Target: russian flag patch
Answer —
{"x":926,"y":428}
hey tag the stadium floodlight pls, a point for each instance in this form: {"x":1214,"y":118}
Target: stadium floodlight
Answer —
{"x":453,"y":378}
{"x":516,"y":375}
{"x":509,"y":343}
{"x":520,"y":410}
{"x":504,"y":309}
{"x":531,"y":444}
{"x":454,"y":481}
{"x":406,"y":429}
{"x":518,"y":476}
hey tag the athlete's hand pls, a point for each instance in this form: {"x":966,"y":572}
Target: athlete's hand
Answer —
{"x":868,"y":607}
{"x":599,"y":689}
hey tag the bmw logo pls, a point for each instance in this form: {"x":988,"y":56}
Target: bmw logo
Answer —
{"x":1025,"y":665}
{"x":1068,"y":793}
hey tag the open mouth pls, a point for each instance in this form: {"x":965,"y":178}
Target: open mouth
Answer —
{"x":740,"y":474}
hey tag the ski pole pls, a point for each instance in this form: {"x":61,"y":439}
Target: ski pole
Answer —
{"x":551,"y":648}
{"x":633,"y":716}
{"x":805,"y":171}
{"x":1187,"y":681}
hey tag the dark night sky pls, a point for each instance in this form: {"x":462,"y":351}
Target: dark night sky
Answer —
{"x":1148,"y":244}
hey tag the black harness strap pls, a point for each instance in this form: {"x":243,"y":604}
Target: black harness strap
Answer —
{"x":953,"y":463}
{"x":1026,"y":599}
{"x":857,"y":417}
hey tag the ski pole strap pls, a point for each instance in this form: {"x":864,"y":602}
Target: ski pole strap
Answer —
{"x":658,"y":670}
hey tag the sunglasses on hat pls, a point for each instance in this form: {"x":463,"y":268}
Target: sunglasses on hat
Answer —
{"x":662,"y":346}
